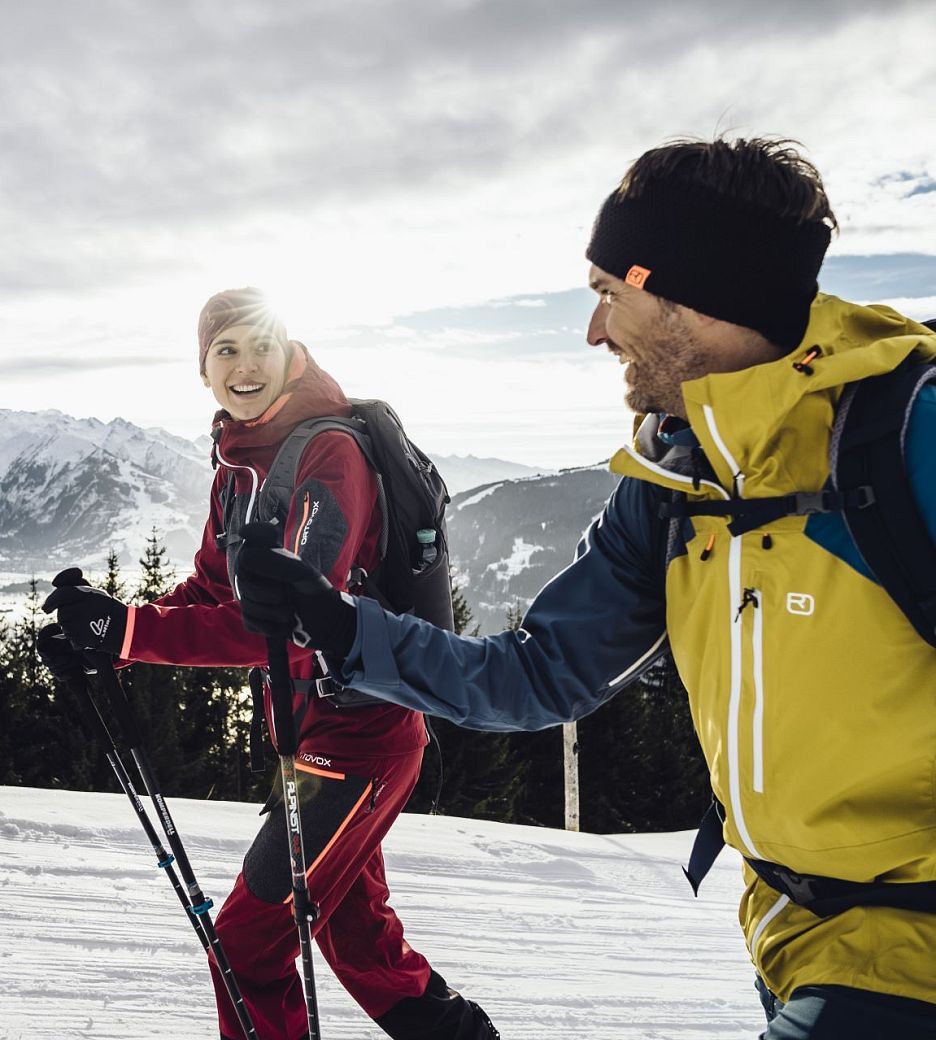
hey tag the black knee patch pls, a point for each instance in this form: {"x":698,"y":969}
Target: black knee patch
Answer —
{"x":325,"y":803}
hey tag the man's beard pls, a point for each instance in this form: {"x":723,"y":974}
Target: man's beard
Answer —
{"x":670,"y":356}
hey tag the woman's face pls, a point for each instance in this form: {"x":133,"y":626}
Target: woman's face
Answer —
{"x":246,"y":370}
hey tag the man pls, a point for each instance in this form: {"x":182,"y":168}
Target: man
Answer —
{"x":810,"y":691}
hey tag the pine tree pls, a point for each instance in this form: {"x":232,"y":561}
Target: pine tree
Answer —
{"x":644,"y":769}
{"x":157,"y":577}
{"x":113,"y":583}
{"x":461,"y":610}
{"x":196,"y":720}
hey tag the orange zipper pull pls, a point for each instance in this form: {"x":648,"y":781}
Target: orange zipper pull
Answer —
{"x":709,"y":546}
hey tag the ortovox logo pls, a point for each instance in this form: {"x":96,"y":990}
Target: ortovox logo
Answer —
{"x":636,"y":276}
{"x":305,"y":530}
{"x":800,"y":603}
{"x":100,"y":626}
{"x":315,"y":760}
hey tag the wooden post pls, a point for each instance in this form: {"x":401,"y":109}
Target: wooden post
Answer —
{"x":570,"y":757}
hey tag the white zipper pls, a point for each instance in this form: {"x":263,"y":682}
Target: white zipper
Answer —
{"x":758,"y":734}
{"x":734,"y":697}
{"x":254,"y":478}
{"x":736,"y":474}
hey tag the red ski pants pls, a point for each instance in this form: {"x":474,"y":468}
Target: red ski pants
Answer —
{"x":347,"y":806}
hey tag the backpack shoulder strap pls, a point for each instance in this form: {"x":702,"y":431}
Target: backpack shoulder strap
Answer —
{"x":868,"y":448}
{"x":277,"y":490}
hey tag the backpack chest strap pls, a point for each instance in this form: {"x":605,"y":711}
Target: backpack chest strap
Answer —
{"x":750,"y":513}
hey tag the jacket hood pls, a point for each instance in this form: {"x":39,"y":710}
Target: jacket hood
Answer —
{"x":758,"y":427}
{"x":309,"y":392}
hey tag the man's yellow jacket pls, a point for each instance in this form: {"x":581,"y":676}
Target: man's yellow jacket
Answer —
{"x":813,"y":697}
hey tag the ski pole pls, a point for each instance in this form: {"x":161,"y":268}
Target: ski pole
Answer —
{"x":164,"y":859}
{"x":200,"y":904}
{"x":305,"y":911}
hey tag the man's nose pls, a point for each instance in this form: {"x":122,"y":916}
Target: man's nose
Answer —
{"x":597,"y":333}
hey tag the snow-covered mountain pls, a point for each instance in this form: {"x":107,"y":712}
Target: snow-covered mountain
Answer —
{"x":72,"y":489}
{"x":507,"y":539}
{"x":462,"y":472}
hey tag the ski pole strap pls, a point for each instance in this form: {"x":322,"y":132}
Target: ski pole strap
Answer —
{"x":255,"y":679}
{"x":281,"y":697}
{"x":709,"y":841}
{"x":750,"y":513}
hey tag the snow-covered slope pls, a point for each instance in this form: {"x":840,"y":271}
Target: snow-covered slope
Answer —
{"x":462,"y":472}
{"x":557,"y":934}
{"x":507,"y":539}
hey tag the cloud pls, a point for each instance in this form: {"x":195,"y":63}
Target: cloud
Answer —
{"x":43,"y":364}
{"x":146,"y":136}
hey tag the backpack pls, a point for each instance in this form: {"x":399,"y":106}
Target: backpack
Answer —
{"x":411,"y":496}
{"x":870,"y":486}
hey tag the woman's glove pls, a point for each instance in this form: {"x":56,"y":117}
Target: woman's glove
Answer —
{"x":58,"y":655}
{"x":90,"y":618}
{"x":283,"y":596}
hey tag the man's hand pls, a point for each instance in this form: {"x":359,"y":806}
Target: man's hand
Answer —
{"x":58,"y":655}
{"x":282,"y":595}
{"x":90,"y":618}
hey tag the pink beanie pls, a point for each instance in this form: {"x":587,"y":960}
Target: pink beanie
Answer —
{"x":235,"y":307}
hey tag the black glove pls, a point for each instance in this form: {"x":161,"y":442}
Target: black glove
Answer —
{"x":90,"y":618}
{"x":58,"y":655}
{"x":282,"y":595}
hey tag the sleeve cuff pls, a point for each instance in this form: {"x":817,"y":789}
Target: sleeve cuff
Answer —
{"x":370,"y":660}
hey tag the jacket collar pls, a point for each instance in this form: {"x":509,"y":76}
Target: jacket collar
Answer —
{"x":764,"y":430}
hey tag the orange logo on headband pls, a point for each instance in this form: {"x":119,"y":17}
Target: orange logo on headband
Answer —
{"x":636,"y":276}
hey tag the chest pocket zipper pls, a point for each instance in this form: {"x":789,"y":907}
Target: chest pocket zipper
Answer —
{"x":301,"y":525}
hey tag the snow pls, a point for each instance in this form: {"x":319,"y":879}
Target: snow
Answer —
{"x":517,"y":562}
{"x":556,"y":934}
{"x":474,"y":499}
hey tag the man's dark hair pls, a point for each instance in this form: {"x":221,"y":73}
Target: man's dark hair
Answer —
{"x":770,"y":173}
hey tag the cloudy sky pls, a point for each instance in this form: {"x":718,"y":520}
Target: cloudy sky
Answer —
{"x":413,"y":182}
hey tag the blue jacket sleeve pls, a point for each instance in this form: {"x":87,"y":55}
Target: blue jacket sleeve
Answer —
{"x":594,"y":628}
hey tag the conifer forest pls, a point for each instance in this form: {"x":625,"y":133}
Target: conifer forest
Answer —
{"x":640,"y":766}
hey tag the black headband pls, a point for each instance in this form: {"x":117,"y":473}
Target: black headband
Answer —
{"x":719,"y":255}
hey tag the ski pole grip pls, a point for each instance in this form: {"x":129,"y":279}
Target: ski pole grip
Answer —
{"x":79,"y":687}
{"x":281,"y":697}
{"x":104,"y":668}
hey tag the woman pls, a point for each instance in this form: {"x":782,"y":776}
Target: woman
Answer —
{"x":358,"y":764}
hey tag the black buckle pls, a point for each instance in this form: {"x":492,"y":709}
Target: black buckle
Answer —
{"x":809,"y":502}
